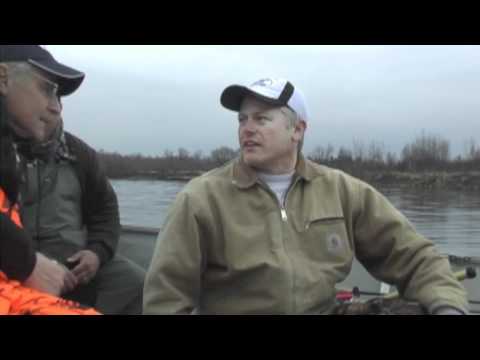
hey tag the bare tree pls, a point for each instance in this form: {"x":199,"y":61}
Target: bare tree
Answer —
{"x":391,"y":160}
{"x":376,"y":154}
{"x":358,"y":152}
{"x":426,"y":152}
{"x":222,"y":154}
{"x":183,"y":154}
{"x":322,"y":154}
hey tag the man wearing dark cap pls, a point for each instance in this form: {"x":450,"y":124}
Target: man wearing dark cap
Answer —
{"x":66,"y":201}
{"x":272,"y":232}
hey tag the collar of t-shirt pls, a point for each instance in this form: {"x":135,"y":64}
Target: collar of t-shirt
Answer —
{"x":277,"y":183}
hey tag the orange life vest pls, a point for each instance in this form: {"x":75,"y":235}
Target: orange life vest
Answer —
{"x":11,"y":211}
{"x":16,"y":299}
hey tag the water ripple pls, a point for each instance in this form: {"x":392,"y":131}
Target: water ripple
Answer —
{"x":449,"y":218}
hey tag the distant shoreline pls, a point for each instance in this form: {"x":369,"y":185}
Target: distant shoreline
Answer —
{"x":468,"y":180}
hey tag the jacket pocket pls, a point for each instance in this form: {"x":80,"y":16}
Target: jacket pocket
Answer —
{"x":325,"y":239}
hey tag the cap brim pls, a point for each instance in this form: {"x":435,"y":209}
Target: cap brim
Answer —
{"x":233,"y":96}
{"x":68,"y":78}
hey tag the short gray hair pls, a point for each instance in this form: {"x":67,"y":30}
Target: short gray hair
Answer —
{"x":18,"y":70}
{"x":291,"y":115}
{"x":292,"y":120}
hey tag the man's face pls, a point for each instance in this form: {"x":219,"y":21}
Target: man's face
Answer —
{"x":267,"y":141}
{"x":32,"y":103}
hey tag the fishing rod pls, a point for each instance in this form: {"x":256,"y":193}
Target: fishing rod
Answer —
{"x":467,"y":273}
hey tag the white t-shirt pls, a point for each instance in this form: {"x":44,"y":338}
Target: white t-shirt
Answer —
{"x":279,"y":184}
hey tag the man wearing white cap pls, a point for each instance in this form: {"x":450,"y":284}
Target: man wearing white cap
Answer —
{"x":272,"y":232}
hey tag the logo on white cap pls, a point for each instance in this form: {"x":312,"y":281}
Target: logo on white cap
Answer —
{"x":276,"y":88}
{"x":270,"y":89}
{"x":263,"y":82}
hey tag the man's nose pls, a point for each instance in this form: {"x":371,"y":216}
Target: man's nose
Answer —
{"x":55,"y":105}
{"x":249,"y":126}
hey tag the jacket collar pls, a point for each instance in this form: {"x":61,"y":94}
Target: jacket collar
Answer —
{"x":244,"y":176}
{"x":54,"y":148}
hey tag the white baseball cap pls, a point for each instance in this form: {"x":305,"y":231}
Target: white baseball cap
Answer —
{"x":274,"y":91}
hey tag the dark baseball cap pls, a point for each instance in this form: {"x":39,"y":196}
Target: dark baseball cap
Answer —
{"x":68,"y":79}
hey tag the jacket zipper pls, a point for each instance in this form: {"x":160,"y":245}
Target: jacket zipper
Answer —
{"x":284,"y":217}
{"x":283,"y":207}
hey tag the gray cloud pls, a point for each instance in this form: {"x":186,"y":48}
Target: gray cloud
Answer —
{"x":145,"y":99}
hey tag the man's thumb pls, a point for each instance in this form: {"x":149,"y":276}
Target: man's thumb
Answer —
{"x":74,"y":258}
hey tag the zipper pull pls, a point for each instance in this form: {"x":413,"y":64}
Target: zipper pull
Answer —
{"x":284,"y":214}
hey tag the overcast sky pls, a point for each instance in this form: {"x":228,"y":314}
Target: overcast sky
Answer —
{"x":146,"y":99}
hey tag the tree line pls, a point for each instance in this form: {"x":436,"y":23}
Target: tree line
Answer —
{"x":426,"y":153}
{"x":169,"y":165}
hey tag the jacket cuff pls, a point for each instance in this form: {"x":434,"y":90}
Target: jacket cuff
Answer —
{"x":100,"y":250}
{"x":439,"y":308}
{"x":25,"y":272}
{"x":448,"y":310}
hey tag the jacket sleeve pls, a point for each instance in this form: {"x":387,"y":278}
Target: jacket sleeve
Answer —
{"x":99,"y":201}
{"x":392,"y":251}
{"x":101,"y":213}
{"x":17,"y":255}
{"x":173,"y":281}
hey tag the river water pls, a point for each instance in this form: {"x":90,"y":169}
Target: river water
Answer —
{"x":450,"y":218}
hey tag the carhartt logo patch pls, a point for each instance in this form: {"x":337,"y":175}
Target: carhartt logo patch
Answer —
{"x":334,"y":243}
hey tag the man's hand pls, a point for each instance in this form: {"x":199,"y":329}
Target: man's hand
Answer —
{"x":87,"y":267}
{"x":51,"y":277}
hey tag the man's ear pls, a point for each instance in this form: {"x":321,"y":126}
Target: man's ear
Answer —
{"x":299,"y":130}
{"x":3,"y":79}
